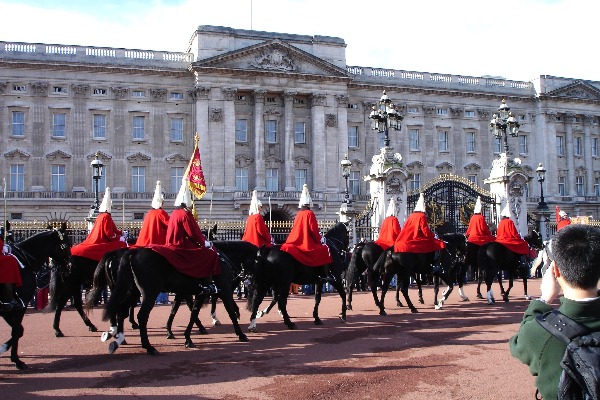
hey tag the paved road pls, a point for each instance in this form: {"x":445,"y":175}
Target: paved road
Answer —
{"x":460,"y":352}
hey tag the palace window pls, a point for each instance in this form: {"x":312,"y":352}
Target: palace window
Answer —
{"x":241,"y":179}
{"x":271,"y":131}
{"x":560,"y":145}
{"x":353,"y":136}
{"x":497,"y":145}
{"x":354,"y":183}
{"x":176,"y":129}
{"x":469,"y":113}
{"x":176,"y":178}
{"x":472,"y":179}
{"x":522,"y":144}
{"x":138,"y":179}
{"x":442,"y":111}
{"x":99,"y":128}
{"x":412,"y":110}
{"x":59,"y":90}
{"x":561,"y":185}
{"x":579,"y":186}
{"x":18,"y":123}
{"x":597,"y":186}
{"x":241,"y":130}
{"x":272,"y":179}
{"x":415,"y":181}
{"x":176,"y":96}
{"x":442,"y":141}
{"x":594,"y":147}
{"x":470,"y":142}
{"x":300,"y":132}
{"x":413,"y":139}
{"x":300,"y":178}
{"x":138,"y":93}
{"x":138,"y":123}
{"x":577,"y":145}
{"x":58,"y":125}
{"x":17,"y":177}
{"x":100,"y":92}
{"x":58,"y":178}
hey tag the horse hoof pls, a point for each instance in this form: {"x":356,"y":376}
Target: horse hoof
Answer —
{"x":259,"y":314}
{"x":113,"y":347}
{"x":464,"y":298}
{"x":414,"y":310}
{"x":342,"y":317}
{"x":105,"y":336}
{"x":253,"y":330}
{"x":437,"y":307}
{"x":203,"y":331}
{"x":151,"y":351}
{"x":216,"y":322}
{"x":170,"y":336}
{"x":243,"y":338}
{"x":421,"y":301}
{"x":20,"y":365}
{"x":528,"y":297}
{"x":479,"y":296}
{"x":291,"y":326}
{"x":135,"y":326}
{"x":318,"y":322}
{"x":93,"y":328}
{"x":349,"y":307}
{"x":505,"y":298}
{"x":189,"y":345}
{"x":59,"y":334}
{"x":382,"y":312}
{"x":399,"y":304}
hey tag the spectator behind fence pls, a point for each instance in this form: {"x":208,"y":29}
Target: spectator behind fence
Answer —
{"x":575,"y":271}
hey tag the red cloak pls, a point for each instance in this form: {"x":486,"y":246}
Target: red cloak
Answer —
{"x":304,"y":241}
{"x":154,"y":228}
{"x":478,"y":231}
{"x":256,"y":231}
{"x":184,"y":247}
{"x":416,"y":237}
{"x":389,"y":231}
{"x":103,"y":238}
{"x":9,"y":268}
{"x":560,"y":221}
{"x":508,"y":235}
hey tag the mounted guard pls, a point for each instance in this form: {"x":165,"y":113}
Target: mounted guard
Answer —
{"x":416,"y":236}
{"x":256,"y":231}
{"x":390,"y":227}
{"x":562,"y":219}
{"x":156,"y":221}
{"x":10,"y":279}
{"x":508,"y":235}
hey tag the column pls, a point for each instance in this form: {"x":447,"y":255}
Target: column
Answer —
{"x":200,"y":94}
{"x":570,"y":179}
{"x":588,"y":120}
{"x":229,"y":138}
{"x":259,"y":140}
{"x":342,"y":139}
{"x":546,"y":124}
{"x":288,"y":117}
{"x":317,"y":115}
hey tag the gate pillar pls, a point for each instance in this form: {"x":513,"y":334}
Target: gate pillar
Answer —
{"x":387,"y":178}
{"x":507,"y":183}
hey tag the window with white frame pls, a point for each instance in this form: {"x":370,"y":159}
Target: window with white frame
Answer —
{"x":18,"y":123}
{"x":241,"y":179}
{"x":353,"y":136}
{"x":17,"y":177}
{"x":271,"y":131}
{"x":577,"y":145}
{"x":442,"y":111}
{"x":561,"y":185}
{"x":59,"y":121}
{"x":300,"y":132}
{"x":442,"y":141}
{"x":58,"y":178}
{"x":300,"y":178}
{"x":412,"y":110}
{"x":99,"y":128}
{"x":522,"y":144}
{"x":176,"y":96}
{"x":415,"y":181}
{"x":176,"y":178}
{"x":176,"y":129}
{"x":560,"y":145}
{"x":99,"y":92}
{"x":354,"y":183}
{"x":470,"y":142}
{"x":272,"y":179}
{"x":472,"y":178}
{"x":594,"y":147}
{"x":497,"y":145}
{"x":138,"y":125}
{"x":138,"y":179}
{"x":59,"y":90}
{"x":241,"y":130}
{"x":138,"y":93}
{"x":580,"y":185}
{"x":413,"y":139}
{"x":597,"y":186}
{"x":469,"y":113}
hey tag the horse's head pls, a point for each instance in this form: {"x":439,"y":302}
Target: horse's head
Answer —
{"x":534,"y":239}
{"x":339,"y":234}
{"x":53,"y":243}
{"x":211,"y":234}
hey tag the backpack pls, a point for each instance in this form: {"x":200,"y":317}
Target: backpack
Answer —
{"x":580,"y":375}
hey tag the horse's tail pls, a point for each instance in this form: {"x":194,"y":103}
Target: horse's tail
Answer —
{"x":379,"y":266}
{"x":58,"y":281}
{"x":355,"y":258}
{"x":99,"y":282}
{"x":121,"y":289}
{"x":258,"y":269}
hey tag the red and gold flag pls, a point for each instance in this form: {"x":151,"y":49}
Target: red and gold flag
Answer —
{"x":194,"y":174}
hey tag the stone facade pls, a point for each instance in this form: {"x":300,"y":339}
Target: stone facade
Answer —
{"x":271,"y":110}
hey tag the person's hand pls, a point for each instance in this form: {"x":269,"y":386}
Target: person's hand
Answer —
{"x":549,"y":286}
{"x":323,"y":240}
{"x":5,"y":249}
{"x":208,"y":244}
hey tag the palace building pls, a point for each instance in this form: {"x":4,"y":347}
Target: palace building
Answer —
{"x":273,"y":111}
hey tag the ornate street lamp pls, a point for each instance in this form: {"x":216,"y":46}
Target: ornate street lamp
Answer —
{"x":384,"y":116}
{"x":503,"y":124}
{"x":346,"y":165}
{"x":96,"y":175}
{"x":541,"y":177}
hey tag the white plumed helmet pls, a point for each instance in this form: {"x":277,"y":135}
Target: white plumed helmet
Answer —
{"x":305,"y":199}
{"x":420,"y":207}
{"x":506,"y":211}
{"x":477,"y":209}
{"x":106,"y":205}
{"x":562,"y":214}
{"x":255,"y":204}
{"x":391,"y":210}
{"x":183,"y":197}
{"x":158,"y":199}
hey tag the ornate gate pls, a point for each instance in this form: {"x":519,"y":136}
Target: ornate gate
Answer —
{"x":449,"y":203}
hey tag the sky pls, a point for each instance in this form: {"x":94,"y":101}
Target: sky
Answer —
{"x":515,"y":39}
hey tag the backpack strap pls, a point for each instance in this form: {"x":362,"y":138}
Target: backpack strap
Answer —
{"x":561,"y":326}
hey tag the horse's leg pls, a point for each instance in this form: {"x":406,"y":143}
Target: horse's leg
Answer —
{"x":257,"y":298}
{"x":398,"y":302}
{"x":373,"y":278}
{"x":387,"y":277}
{"x":447,"y":279}
{"x":436,"y":290}
{"x":480,"y":279}
{"x":510,"y":285}
{"x":527,"y":296}
{"x":420,"y":288}
{"x":226,"y":295}
{"x":269,"y":307}
{"x":78,"y":304}
{"x":195,"y":310}
{"x":462,"y":276}
{"x":148,"y":300}
{"x":213,"y":308}
{"x":489,"y":279}
{"x":318,"y":292}
{"x":500,"y":282}
{"x":15,"y":320}
{"x":339,"y":286}
{"x":404,"y":290}
{"x":174,"y":308}
{"x":134,"y":324}
{"x":118,"y":331}
{"x":350,"y":286}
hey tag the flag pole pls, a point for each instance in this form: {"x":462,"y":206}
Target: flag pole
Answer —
{"x":5,"y":218}
{"x":270,"y":216}
{"x":212,"y":193}
{"x":123,"y":227}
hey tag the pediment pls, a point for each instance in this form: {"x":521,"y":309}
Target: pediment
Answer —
{"x":301,"y":161}
{"x":415,"y":165}
{"x":577,"y":90}
{"x":273,"y":56}
{"x":273,"y":162}
{"x":444,"y":167}
{"x":472,"y":167}
{"x":139,"y":157}
{"x":58,"y":154}
{"x":176,"y":158}
{"x":16,"y":153}
{"x":101,"y":155}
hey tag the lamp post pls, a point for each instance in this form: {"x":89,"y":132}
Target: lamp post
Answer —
{"x":384,"y":116}
{"x":97,"y":166}
{"x":541,"y":177}
{"x":346,"y":165}
{"x":503,"y":124}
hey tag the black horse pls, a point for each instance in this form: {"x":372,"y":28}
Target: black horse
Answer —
{"x":364,"y":256}
{"x":33,"y":253}
{"x":277,"y":269}
{"x":142,"y":270}
{"x":409,"y":265}
{"x":493,"y":258}
{"x":241,"y":256}
{"x":451,"y":265}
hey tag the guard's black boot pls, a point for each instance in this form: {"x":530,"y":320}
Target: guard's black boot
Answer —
{"x":8,"y":298}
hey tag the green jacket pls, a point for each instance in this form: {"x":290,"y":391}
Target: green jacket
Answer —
{"x":540,"y":350}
